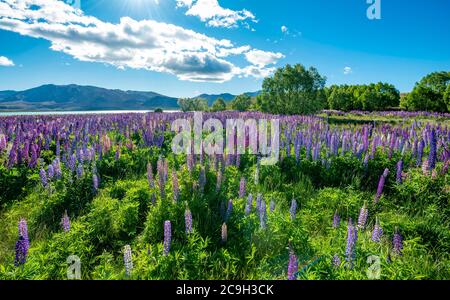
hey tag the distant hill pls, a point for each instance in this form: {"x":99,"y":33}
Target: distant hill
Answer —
{"x":76,"y":97}
{"x":226,"y":96}
{"x":86,"y":98}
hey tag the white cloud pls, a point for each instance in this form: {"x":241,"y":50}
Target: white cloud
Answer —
{"x":284,"y":29}
{"x":262,"y":58}
{"x":145,"y":44}
{"x":6,"y":62}
{"x":214,"y":15}
{"x":347,"y":70}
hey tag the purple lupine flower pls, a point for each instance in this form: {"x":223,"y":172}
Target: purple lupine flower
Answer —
{"x":202,"y":179}
{"x":167,"y":237}
{"x":263,"y":215}
{"x":292,"y":266}
{"x":352,"y":237}
{"x":362,"y":219}
{"x":399,"y":172}
{"x":21,"y":252}
{"x":95,"y":182}
{"x":23,"y":243}
{"x":175,"y":186}
{"x":43,"y":176}
{"x":242,"y":188}
{"x":229,"y":210}
{"x":128,"y":260}
{"x":224,"y":233}
{"x":258,"y":201}
{"x":50,"y":172}
{"x":151,"y":182}
{"x":377,"y":232}
{"x":293,"y":209}
{"x":336,"y":220}
{"x":420,"y":152}
{"x":72,"y":161}
{"x":381,"y":186}
{"x":80,"y":171}
{"x":397,"y":243}
{"x":336,"y":261}
{"x":57,"y":168}
{"x":65,"y":222}
{"x":188,"y":221}
{"x":425,"y":168}
{"x":433,"y":150}
{"x":248,"y":207}
{"x":272,"y":206}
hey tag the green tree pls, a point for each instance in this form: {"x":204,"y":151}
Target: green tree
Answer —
{"x":341,"y":99}
{"x":429,"y":94}
{"x":219,"y":105}
{"x":293,"y":90}
{"x":193,"y":104}
{"x":241,"y":103}
{"x":447,"y":97}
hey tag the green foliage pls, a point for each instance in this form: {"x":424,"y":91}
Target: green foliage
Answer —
{"x":241,"y":103}
{"x":431,"y":93}
{"x":219,"y":105}
{"x":293,"y":90}
{"x":372,"y":97}
{"x":194,"y":104}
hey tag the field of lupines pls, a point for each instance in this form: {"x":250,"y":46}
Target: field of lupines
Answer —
{"x":345,"y":201}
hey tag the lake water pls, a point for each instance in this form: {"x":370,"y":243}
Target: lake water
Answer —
{"x":36,"y":113}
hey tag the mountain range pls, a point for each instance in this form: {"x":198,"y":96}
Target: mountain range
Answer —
{"x":89,"y":98}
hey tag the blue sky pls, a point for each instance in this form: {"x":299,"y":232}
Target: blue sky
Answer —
{"x":94,"y":47}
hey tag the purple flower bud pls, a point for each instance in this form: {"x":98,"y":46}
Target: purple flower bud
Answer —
{"x":352,"y":237}
{"x":65,"y":222}
{"x":433,"y":150}
{"x":377,"y":232}
{"x":50,"y":172}
{"x":362,"y":219}
{"x":188,"y":221}
{"x":242,"y":188}
{"x":293,"y":210}
{"x":202,"y":179}
{"x":272,"y":206}
{"x":381,"y":185}
{"x":167,"y":237}
{"x":95,"y":182}
{"x":80,"y":171}
{"x":399,"y":172}
{"x":397,"y":243}
{"x":248,"y":207}
{"x":336,"y":220}
{"x":224,"y":233}
{"x":336,"y":261}
{"x":292,"y":267}
{"x":43,"y":177}
{"x":263,"y":215}
{"x":23,"y":244}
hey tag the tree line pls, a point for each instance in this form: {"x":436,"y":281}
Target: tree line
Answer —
{"x":299,"y":90}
